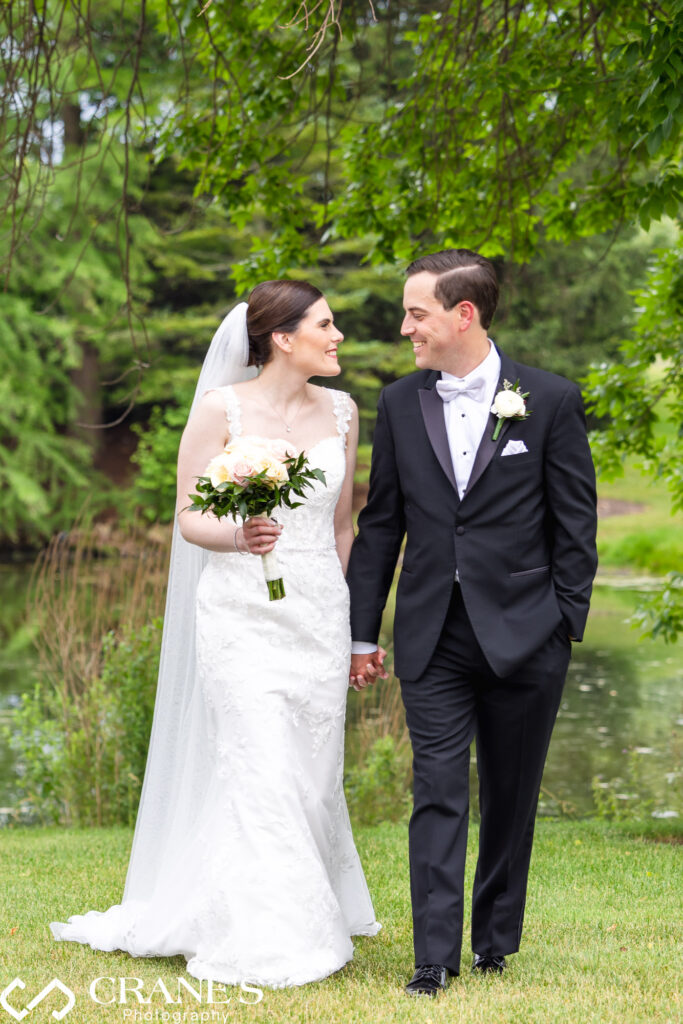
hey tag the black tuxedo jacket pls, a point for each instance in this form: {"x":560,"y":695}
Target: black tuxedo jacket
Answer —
{"x":522,"y":538}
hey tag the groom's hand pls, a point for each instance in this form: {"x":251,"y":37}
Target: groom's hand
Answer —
{"x":366,"y":668}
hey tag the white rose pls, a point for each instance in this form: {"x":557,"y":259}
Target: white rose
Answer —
{"x":245,"y":448}
{"x":257,"y":462}
{"x":283,"y":450}
{"x":258,"y":459}
{"x":252,"y":442}
{"x":508,"y":403}
{"x":275,"y":471}
{"x":220,"y":469}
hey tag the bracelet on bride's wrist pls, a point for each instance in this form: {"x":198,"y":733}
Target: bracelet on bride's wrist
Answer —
{"x":238,"y":549}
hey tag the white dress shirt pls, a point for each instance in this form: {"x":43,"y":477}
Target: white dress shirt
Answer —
{"x":466,"y":416}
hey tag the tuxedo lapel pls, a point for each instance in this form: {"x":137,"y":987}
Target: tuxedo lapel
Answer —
{"x":431,"y":404}
{"x":487,"y":445}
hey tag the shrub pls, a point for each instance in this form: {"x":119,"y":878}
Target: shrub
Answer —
{"x":153,"y":492}
{"x":82,"y":755}
{"x":379,"y":788}
{"x":82,"y":731}
{"x":654,"y":551}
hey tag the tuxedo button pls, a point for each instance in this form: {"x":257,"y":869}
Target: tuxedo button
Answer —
{"x":460,"y":530}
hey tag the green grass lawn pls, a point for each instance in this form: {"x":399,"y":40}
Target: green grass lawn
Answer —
{"x":647,"y":542}
{"x":602,"y":924}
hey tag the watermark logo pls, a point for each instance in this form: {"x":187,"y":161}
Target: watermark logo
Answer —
{"x":121,"y":991}
{"x":20,"y":1014}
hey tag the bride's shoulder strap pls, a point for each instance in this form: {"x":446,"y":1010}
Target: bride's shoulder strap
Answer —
{"x":233,"y":412}
{"x":342,"y":411}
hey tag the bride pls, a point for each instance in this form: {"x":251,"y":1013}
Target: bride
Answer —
{"x":243,"y":859}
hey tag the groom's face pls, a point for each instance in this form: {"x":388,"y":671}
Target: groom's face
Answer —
{"x":431,"y":328}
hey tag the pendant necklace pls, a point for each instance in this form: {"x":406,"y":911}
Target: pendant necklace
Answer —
{"x":288,"y":426}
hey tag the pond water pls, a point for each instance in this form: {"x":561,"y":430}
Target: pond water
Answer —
{"x":620,"y":725}
{"x":619,"y":732}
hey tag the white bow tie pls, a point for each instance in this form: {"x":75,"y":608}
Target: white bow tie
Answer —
{"x":450,"y":389}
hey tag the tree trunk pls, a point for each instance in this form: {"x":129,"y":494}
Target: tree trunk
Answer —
{"x":73,"y":129}
{"x":87,"y":379}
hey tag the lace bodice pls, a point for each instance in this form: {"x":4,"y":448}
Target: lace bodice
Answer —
{"x":311,"y":526}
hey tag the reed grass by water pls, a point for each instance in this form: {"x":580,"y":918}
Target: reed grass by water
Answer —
{"x":81,"y":729}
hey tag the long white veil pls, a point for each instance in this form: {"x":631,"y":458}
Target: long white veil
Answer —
{"x":178,"y":758}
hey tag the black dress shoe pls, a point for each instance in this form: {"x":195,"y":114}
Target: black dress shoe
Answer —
{"x":428,"y":980}
{"x":488,"y":964}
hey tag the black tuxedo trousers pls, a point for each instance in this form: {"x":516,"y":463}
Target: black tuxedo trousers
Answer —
{"x":459,"y":697}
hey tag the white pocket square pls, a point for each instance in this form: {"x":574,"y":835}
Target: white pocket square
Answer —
{"x":514,"y":448}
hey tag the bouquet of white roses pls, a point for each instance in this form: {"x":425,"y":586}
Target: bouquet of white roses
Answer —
{"x":251,"y":477}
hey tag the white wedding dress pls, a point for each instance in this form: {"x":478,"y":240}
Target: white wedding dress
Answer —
{"x":268,"y":887}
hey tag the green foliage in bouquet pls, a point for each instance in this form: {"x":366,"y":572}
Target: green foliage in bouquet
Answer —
{"x":258,"y":496}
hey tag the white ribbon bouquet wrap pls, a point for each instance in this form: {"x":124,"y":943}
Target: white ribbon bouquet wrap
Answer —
{"x":250,"y":478}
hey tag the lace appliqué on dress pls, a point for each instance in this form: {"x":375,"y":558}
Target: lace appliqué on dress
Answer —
{"x":233,"y":412}
{"x":342,"y":412}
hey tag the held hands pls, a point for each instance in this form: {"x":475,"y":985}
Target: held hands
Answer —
{"x":257,"y":536}
{"x":365,"y":668}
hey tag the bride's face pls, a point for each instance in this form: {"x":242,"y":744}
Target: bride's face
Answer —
{"x":314,"y":343}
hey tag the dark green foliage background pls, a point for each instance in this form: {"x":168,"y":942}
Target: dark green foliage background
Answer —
{"x":160,"y":162}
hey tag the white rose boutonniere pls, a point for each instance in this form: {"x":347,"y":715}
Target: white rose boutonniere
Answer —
{"x":509,"y":404}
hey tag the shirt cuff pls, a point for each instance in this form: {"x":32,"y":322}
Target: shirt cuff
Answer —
{"x":362,"y":647}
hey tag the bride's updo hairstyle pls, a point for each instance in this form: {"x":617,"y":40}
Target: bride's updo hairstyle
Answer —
{"x":276,"y":306}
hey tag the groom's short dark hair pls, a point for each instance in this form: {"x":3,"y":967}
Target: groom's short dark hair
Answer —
{"x":463,"y":275}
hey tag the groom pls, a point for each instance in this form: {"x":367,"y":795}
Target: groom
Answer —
{"x":499,"y":514}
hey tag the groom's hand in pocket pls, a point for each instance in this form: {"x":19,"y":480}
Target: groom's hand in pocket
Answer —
{"x":366,"y":668}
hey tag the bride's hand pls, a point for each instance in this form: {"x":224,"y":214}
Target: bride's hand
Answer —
{"x":258,"y":536}
{"x":366,"y":668}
